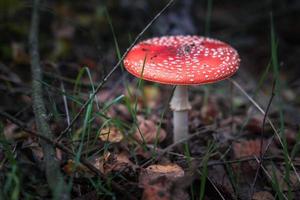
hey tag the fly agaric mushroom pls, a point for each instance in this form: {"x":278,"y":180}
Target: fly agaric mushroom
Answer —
{"x":182,"y":61}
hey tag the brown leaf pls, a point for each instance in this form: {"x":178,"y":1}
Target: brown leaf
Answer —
{"x":262,"y":195}
{"x":113,"y":162}
{"x":12,"y":132}
{"x":70,"y":168}
{"x":157,"y":190}
{"x":210,"y":111}
{"x":247,"y":148}
{"x":139,"y":150}
{"x":281,"y":178}
{"x":254,"y":124}
{"x":171,"y":171}
{"x":158,"y":182}
{"x":99,"y":162}
{"x":111,"y":134}
{"x":290,"y":136}
{"x":148,"y":131}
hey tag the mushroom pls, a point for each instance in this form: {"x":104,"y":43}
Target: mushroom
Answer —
{"x":182,"y":61}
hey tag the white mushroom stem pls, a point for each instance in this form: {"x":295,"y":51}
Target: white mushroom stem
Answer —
{"x":180,"y":106}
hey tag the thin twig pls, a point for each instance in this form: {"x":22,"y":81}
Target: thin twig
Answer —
{"x":113,"y":70}
{"x":268,"y":175}
{"x":53,"y":174}
{"x":268,"y":120}
{"x":262,"y":151}
{"x":83,"y":161}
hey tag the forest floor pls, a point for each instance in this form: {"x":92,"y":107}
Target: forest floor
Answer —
{"x":111,"y":133}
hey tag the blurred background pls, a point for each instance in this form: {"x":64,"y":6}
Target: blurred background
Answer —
{"x":76,"y":34}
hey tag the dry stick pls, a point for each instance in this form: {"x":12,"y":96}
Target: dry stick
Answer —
{"x":112,"y":71}
{"x":263,"y":152}
{"x":268,"y":120}
{"x":213,"y":163}
{"x":83,"y":161}
{"x":53,"y":173}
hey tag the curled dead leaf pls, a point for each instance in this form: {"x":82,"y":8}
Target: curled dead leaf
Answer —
{"x":148,"y":131}
{"x":111,"y":134}
{"x":113,"y":162}
{"x":171,"y":171}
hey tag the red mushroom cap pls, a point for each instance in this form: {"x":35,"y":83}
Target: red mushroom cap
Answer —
{"x":182,"y":60}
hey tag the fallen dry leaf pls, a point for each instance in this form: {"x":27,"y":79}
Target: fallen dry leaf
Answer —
{"x":254,"y":124}
{"x":111,"y":134}
{"x":158,"y":182}
{"x":281,"y":177}
{"x":71,"y":168}
{"x":210,"y":111}
{"x":262,"y":195}
{"x":113,"y":162}
{"x":158,"y":189}
{"x":148,"y":131}
{"x":290,"y":136}
{"x":100,"y":161}
{"x":140,"y":151}
{"x":171,"y":171}
{"x":247,"y":148}
{"x":12,"y":132}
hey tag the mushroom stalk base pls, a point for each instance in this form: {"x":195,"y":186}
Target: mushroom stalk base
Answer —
{"x":180,"y":121}
{"x":180,"y":106}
